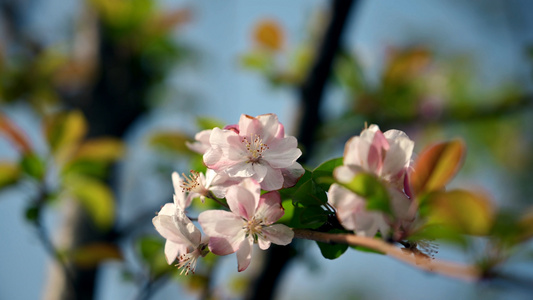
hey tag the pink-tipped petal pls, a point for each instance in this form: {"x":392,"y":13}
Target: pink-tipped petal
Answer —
{"x":243,"y":198}
{"x":269,"y":208}
{"x":244,"y":254}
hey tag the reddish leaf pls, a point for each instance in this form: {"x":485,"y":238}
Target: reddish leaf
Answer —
{"x":14,"y":134}
{"x":436,"y":166}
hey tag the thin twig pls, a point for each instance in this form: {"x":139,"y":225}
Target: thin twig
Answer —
{"x":451,"y":269}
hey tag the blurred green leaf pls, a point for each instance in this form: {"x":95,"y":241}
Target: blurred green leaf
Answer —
{"x":436,"y":166}
{"x":171,"y":141}
{"x":86,"y":167}
{"x":257,"y":60}
{"x":64,"y":132}
{"x":461,"y":210}
{"x":205,"y":123}
{"x":375,"y":193}
{"x":323,"y":174}
{"x":101,"y":149}
{"x":95,"y":197}
{"x":91,"y":255}
{"x":33,"y":165}
{"x":9,"y":173}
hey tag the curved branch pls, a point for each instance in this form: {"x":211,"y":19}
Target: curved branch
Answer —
{"x":451,"y":269}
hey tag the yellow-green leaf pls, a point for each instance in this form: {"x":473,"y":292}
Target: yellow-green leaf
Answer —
{"x":64,"y":132}
{"x":173,"y":141}
{"x":437,"y":165}
{"x":461,"y":210}
{"x":9,"y":173}
{"x":89,"y":256}
{"x":95,"y":197}
{"x":101,"y":149}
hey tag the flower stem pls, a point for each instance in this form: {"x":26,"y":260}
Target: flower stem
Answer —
{"x":211,"y":196}
{"x":452,"y":269}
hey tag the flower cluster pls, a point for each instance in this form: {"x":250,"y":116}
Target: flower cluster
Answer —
{"x":242,"y":160}
{"x":255,"y":155}
{"x":388,"y":157}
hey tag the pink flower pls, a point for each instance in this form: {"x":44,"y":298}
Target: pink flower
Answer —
{"x":198,"y":185}
{"x":250,"y":221}
{"x":202,"y":142}
{"x":184,"y":240}
{"x":256,"y":148}
{"x":387,"y":155}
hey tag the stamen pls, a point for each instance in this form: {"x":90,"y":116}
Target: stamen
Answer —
{"x":191,"y":182}
{"x":187,"y":262}
{"x":255,"y":147}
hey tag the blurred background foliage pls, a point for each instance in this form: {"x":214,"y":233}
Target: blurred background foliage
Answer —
{"x":112,"y":70}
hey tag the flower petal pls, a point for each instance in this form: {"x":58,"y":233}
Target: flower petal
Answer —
{"x":292,"y":174}
{"x":169,"y":209}
{"x":166,"y":227}
{"x":282,"y":153}
{"x":172,"y":250}
{"x":269,"y":208}
{"x":244,"y":254}
{"x":243,"y":198}
{"x":278,"y":234}
{"x":220,"y":223}
{"x":273,"y":180}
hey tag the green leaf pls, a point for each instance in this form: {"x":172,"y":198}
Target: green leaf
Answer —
{"x":323,"y":174}
{"x":95,"y":197}
{"x":64,"y":132}
{"x":91,"y":255}
{"x":205,"y":123}
{"x":9,"y":173}
{"x":313,"y":216}
{"x":289,"y":192}
{"x":369,"y":187}
{"x":86,"y":167}
{"x":436,"y":166}
{"x":32,"y":165}
{"x":310,"y":194}
{"x":461,"y":210}
{"x":332,"y":251}
{"x":171,"y":141}
{"x":100,"y":149}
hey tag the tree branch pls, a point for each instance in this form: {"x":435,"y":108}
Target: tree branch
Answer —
{"x":418,"y":260}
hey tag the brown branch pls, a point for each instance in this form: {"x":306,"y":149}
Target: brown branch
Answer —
{"x":451,"y":269}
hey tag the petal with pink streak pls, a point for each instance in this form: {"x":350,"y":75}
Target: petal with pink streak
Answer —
{"x":376,"y":152}
{"x":241,"y":200}
{"x":244,"y":254}
{"x":279,"y":234}
{"x":269,"y":208}
{"x":270,"y":127}
{"x":250,"y":126}
{"x":398,"y":157}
